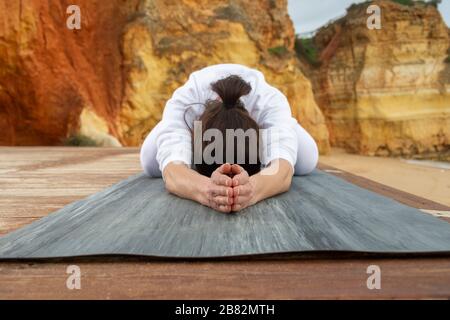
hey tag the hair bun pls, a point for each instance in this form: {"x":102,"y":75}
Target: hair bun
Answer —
{"x":230,"y":90}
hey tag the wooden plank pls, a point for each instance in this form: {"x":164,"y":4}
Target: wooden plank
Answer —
{"x":36,"y":181}
{"x":272,"y":279}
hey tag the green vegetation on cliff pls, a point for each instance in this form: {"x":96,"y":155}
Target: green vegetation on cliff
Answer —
{"x":434,"y":3}
{"x":306,"y":50}
{"x":279,"y":51}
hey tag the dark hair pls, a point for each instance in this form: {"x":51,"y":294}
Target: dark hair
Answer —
{"x":229,"y":113}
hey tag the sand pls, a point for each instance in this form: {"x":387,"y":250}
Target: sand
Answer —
{"x":427,"y":179}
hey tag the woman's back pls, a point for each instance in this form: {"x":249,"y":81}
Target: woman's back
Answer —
{"x":200,"y":82}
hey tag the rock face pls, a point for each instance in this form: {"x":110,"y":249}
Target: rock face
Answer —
{"x":111,"y":79}
{"x":386,"y":92}
{"x":55,"y":82}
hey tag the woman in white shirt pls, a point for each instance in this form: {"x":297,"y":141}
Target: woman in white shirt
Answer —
{"x":214,"y":99}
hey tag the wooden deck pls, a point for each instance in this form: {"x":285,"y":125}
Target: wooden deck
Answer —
{"x":37,"y":181}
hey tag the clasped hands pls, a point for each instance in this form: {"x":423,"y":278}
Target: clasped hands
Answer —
{"x":230,"y":189}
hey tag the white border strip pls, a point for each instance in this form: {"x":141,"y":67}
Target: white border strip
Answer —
{"x":437,"y":213}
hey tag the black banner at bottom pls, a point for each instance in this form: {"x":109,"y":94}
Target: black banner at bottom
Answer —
{"x":212,"y":309}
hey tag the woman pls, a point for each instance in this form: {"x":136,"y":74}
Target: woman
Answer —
{"x":221,"y":97}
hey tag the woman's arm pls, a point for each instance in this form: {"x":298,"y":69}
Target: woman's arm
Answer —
{"x":273,"y":180}
{"x":215,"y":192}
{"x":174,"y":140}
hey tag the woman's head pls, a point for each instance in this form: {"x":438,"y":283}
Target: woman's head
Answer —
{"x":239,"y":132}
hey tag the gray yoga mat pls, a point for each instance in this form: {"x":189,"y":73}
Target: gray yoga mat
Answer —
{"x":138,"y":217}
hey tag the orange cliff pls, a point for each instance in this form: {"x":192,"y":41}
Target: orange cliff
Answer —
{"x":110,"y":80}
{"x":386,"y":92}
{"x":50,"y":75}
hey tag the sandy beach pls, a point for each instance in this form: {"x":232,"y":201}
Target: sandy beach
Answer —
{"x":427,"y":179}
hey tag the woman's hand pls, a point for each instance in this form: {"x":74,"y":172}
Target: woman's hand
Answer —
{"x":219,"y":189}
{"x":215,"y":192}
{"x":243,"y":189}
{"x":247,"y":191}
{"x":240,"y":191}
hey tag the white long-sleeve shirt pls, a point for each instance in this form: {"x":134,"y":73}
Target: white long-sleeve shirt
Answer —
{"x":266,"y":105}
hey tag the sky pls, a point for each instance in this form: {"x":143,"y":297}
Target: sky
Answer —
{"x":309,"y":15}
